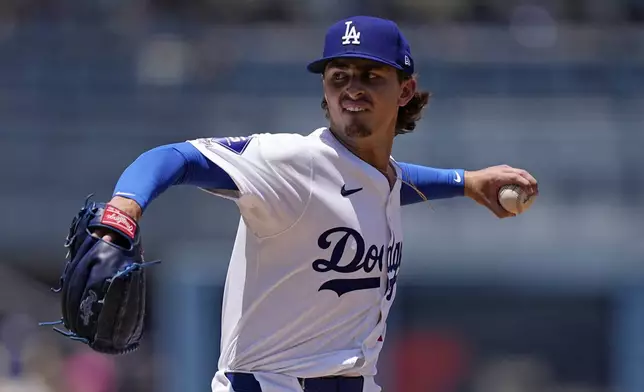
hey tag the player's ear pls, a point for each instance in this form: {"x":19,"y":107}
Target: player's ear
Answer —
{"x":407,"y":91}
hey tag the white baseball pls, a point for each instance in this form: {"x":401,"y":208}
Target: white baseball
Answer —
{"x":513,"y":199}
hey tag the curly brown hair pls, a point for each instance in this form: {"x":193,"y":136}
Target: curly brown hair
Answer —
{"x":409,"y":114}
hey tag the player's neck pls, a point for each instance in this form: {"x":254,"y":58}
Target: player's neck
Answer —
{"x":374,"y":150}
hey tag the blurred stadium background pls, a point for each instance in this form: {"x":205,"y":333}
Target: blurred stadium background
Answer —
{"x":552,"y":301}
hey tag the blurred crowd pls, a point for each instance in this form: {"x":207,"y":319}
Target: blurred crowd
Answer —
{"x":321,"y":11}
{"x":39,"y":360}
{"x":34,"y":358}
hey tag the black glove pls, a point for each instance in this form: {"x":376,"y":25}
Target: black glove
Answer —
{"x":103,"y":284}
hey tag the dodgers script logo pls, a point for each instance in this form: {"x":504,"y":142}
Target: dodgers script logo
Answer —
{"x":365,"y":259}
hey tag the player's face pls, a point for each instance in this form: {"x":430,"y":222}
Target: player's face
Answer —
{"x":363,"y":96}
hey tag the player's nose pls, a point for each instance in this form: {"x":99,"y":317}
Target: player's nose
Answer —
{"x":355,"y":90}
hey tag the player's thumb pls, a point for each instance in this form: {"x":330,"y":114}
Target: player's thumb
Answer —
{"x":495,"y":206}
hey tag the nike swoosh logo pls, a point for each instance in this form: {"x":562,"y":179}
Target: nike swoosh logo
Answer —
{"x":347,"y":192}
{"x":458,"y":177}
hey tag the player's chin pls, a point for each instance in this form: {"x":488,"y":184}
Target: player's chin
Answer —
{"x":357,"y":129}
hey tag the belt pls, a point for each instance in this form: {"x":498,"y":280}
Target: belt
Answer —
{"x":246,"y":382}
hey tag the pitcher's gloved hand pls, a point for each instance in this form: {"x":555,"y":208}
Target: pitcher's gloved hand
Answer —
{"x":103,"y":283}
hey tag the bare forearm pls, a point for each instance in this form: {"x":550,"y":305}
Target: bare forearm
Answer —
{"x":129,"y":206}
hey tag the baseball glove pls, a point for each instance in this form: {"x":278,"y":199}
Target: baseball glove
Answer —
{"x":103,"y":283}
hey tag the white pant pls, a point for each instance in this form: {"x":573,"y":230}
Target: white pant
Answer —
{"x":272,"y":382}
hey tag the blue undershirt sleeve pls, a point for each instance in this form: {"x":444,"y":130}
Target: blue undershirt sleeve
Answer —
{"x":154,"y":171}
{"x":433,"y":183}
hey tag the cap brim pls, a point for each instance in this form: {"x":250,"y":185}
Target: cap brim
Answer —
{"x":318,"y":66}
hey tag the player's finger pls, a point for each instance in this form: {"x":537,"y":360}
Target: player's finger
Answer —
{"x":534,"y":186}
{"x":103,"y":234}
{"x":512,"y":177}
{"x":99,"y":232}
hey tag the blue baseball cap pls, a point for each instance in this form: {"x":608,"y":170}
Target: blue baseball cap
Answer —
{"x":366,"y":37}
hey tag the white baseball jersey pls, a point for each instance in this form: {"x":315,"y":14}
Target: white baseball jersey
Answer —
{"x":313,"y":270}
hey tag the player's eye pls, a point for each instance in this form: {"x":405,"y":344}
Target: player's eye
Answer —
{"x":339,"y":76}
{"x":372,"y":77}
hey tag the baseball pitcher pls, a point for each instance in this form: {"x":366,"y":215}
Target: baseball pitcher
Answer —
{"x":314,"y":267}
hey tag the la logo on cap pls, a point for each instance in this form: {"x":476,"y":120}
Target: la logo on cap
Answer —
{"x":351,"y":35}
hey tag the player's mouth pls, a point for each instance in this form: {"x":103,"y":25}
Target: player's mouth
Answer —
{"x":354,"y":106}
